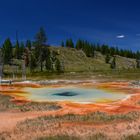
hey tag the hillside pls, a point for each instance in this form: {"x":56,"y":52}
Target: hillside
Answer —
{"x":76,"y":60}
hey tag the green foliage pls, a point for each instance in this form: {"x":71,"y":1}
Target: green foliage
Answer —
{"x":62,"y":44}
{"x":17,"y":50}
{"x":138,"y":63}
{"x":107,"y":58}
{"x":58,"y":65}
{"x":7,"y":51}
{"x":1,"y":57}
{"x":69,"y":43}
{"x":40,"y":37}
{"x":21,"y":49}
{"x":32,"y":62}
{"x":86,"y":47}
{"x":89,"y":49}
{"x":40,"y":55}
{"x":28,"y":44}
{"x":48,"y":64}
{"x":105,"y":50}
{"x":40,"y":47}
{"x":27,"y":56}
{"x":79,"y":44}
{"x":113,"y":63}
{"x":48,"y":61}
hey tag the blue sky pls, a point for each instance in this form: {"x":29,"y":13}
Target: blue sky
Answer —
{"x":114,"y":22}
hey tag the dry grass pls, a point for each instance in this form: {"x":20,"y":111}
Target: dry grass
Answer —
{"x":96,"y":117}
{"x":132,"y":137}
{"x":6,"y":104}
{"x":98,"y":136}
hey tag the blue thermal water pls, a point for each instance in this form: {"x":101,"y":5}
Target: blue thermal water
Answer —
{"x":72,"y":94}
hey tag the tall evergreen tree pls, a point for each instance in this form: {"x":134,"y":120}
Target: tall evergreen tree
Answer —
{"x":17,"y":50}
{"x":48,"y":61}
{"x":40,"y":41}
{"x":32,"y":62}
{"x":40,"y":37}
{"x":113,"y":63}
{"x":62,"y":44}
{"x":28,"y":44}
{"x":7,"y":51}
{"x":79,"y":44}
{"x":58,"y":65}
{"x":107,"y":58}
{"x":21,"y":49}
{"x":69,"y":43}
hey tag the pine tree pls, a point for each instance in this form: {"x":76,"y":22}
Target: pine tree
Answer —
{"x":92,"y":51}
{"x":107,"y":58}
{"x":79,"y":45}
{"x":48,"y":62}
{"x":28,"y":44}
{"x":17,"y":50}
{"x":40,"y":37}
{"x":112,"y":51}
{"x":113,"y":63}
{"x":62,"y":44}
{"x":21,"y":49}
{"x":7,"y":51}
{"x":32,"y":62}
{"x":69,"y":43}
{"x":104,"y":49}
{"x":58,"y":65}
{"x":40,"y":41}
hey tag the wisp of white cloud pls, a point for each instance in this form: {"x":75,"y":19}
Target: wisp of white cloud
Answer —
{"x":137,"y":34}
{"x":120,"y":36}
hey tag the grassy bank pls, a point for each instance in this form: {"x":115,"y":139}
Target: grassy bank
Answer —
{"x":132,"y":74}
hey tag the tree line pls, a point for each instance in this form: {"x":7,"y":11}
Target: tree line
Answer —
{"x":37,"y":53}
{"x":90,"y":48}
{"x":108,"y":51}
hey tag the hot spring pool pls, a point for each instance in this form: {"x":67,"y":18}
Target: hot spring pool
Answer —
{"x":72,"y":94}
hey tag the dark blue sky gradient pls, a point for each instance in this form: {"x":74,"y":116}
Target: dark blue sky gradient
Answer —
{"x":114,"y":22}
